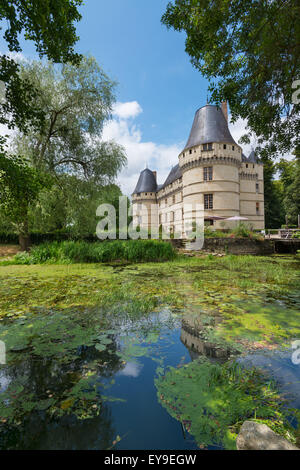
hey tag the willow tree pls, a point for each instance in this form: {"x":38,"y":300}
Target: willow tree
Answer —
{"x":76,"y":100}
{"x":20,"y":186}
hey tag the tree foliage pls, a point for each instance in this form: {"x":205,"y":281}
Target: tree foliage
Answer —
{"x":76,"y":101}
{"x":20,"y":186}
{"x":290,"y":180}
{"x":274,"y":209}
{"x":70,"y":206}
{"x":250,"y":52}
{"x":50,"y":25}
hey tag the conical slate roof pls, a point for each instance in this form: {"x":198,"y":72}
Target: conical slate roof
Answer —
{"x":252,"y":157}
{"x":146,"y":183}
{"x":174,"y":175}
{"x":210,"y":125}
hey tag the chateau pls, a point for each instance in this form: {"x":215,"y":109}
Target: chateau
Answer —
{"x":213,"y":171}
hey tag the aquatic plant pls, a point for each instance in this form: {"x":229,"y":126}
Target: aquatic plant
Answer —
{"x":211,"y":401}
{"x":84,"y":252}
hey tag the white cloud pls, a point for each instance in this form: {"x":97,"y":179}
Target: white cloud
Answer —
{"x":127,"y":110}
{"x":131,"y":370}
{"x":238,"y":129}
{"x":139,"y":153}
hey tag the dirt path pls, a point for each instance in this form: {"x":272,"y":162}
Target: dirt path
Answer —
{"x":8,"y":250}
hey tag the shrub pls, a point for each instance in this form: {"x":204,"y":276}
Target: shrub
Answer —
{"x":101,"y":252}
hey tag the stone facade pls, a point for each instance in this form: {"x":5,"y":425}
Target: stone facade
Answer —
{"x":213,"y":172}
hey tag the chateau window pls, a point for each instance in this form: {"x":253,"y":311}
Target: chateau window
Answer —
{"x":191,"y":152}
{"x":224,"y":146}
{"x":207,"y":147}
{"x":166,"y":202}
{"x":174,"y":200}
{"x":208,"y":173}
{"x":159,"y":219}
{"x":233,"y":147}
{"x":257,"y":208}
{"x":247,"y":165}
{"x":171,"y":216}
{"x":257,"y":187}
{"x":208,"y":201}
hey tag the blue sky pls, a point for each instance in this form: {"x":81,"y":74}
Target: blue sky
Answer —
{"x":149,"y":62}
{"x":158,"y":89}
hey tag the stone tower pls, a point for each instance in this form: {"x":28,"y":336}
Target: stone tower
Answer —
{"x":212,"y":172}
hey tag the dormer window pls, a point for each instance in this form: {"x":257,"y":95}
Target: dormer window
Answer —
{"x":207,"y":147}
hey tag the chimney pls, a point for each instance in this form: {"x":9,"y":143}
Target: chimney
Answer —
{"x":225,"y":109}
{"x":155,"y":175}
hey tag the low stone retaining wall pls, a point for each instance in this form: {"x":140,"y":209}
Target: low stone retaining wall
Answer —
{"x":239,"y":246}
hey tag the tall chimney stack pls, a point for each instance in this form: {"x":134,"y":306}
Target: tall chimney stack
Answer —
{"x":155,"y":175}
{"x":224,"y":106}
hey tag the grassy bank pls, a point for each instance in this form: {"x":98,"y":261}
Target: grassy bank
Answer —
{"x":108,"y":251}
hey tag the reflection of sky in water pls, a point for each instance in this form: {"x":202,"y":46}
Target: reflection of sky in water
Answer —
{"x":131,"y":370}
{"x":4,"y":381}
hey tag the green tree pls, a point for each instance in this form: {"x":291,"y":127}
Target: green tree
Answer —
{"x":76,"y":101}
{"x":250,"y":52}
{"x":70,"y":206}
{"x":290,"y":180}
{"x":274,"y":210}
{"x":50,"y":25}
{"x":20,"y":186}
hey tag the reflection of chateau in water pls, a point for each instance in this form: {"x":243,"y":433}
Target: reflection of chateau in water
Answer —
{"x":191,"y":330}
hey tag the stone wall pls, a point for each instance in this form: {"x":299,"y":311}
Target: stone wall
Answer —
{"x":235,"y":246}
{"x":239,"y":246}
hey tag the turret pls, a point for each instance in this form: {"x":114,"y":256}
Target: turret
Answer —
{"x":210,"y":165}
{"x":145,"y":211}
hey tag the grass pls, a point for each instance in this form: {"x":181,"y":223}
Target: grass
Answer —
{"x":83,"y":252}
